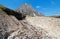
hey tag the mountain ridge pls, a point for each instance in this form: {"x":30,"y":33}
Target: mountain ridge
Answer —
{"x":37,"y":27}
{"x":27,"y":9}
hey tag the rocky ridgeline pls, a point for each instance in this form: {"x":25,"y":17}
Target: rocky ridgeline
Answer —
{"x":13,"y":28}
{"x":28,"y":10}
{"x":15,"y":25}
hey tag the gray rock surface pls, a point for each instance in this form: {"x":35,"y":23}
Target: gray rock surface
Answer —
{"x":7,"y":25}
{"x":28,"y":10}
{"x":28,"y":28}
{"x":12,"y":28}
{"x":50,"y":24}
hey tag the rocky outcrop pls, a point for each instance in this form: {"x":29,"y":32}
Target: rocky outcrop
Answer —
{"x":28,"y":10}
{"x":27,"y":27}
{"x":7,"y":25}
{"x":8,"y":11}
{"x":12,"y":28}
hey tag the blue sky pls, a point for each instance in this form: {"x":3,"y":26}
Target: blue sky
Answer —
{"x":47,"y":7}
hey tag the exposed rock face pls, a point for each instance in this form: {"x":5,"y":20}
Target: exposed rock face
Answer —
{"x":28,"y":10}
{"x":8,"y":11}
{"x":50,"y":24}
{"x":7,"y":25}
{"x":12,"y":28}
{"x":29,"y":28}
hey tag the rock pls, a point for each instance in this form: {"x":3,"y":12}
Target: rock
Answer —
{"x":7,"y":25}
{"x":29,"y":28}
{"x":8,"y":11}
{"x":12,"y":28}
{"x":28,"y":10}
{"x":49,"y":24}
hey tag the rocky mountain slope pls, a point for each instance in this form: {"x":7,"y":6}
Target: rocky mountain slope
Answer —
{"x":50,"y":24}
{"x":28,"y":10}
{"x":12,"y":28}
{"x":14,"y":25}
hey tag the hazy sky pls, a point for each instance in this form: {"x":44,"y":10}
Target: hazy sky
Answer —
{"x":47,"y":7}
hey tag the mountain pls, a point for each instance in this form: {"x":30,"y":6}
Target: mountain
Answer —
{"x":28,"y":10}
{"x":13,"y":28}
{"x":14,"y":25}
